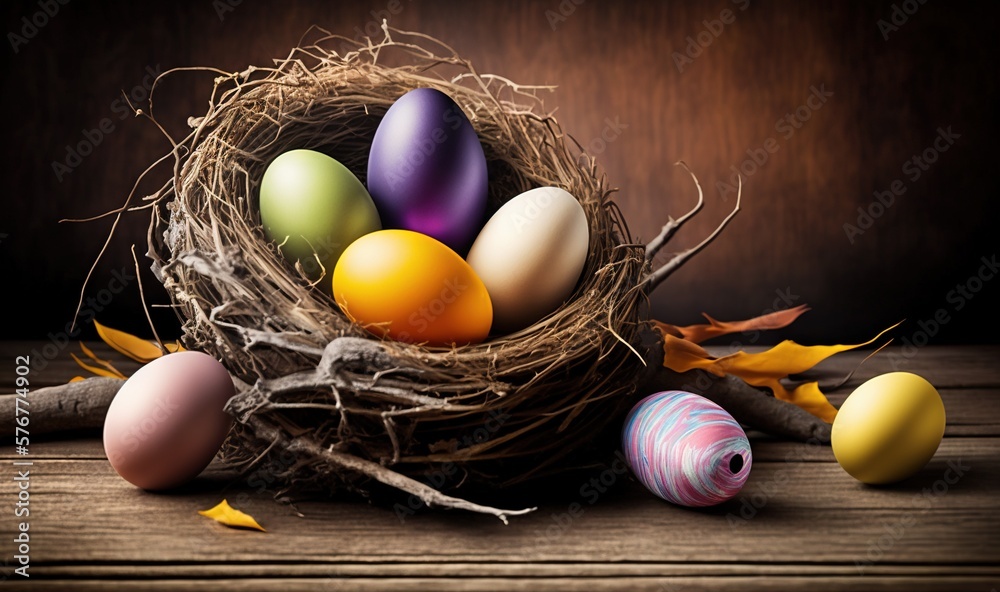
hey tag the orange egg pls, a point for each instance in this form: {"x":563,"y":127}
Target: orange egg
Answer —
{"x":413,"y":288}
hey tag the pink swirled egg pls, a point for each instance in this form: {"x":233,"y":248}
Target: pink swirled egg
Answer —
{"x":686,"y":449}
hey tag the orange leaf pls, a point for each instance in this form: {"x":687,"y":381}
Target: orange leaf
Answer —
{"x":700,"y":333}
{"x":230,"y":516}
{"x":97,"y":369}
{"x":174,"y":347}
{"x":77,"y":379}
{"x":140,"y":350}
{"x":105,"y":363}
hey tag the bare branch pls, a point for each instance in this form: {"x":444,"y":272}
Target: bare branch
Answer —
{"x":672,"y":226}
{"x":655,"y":278}
{"x":80,"y":405}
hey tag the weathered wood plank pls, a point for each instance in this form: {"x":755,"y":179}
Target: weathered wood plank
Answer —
{"x":534,"y":569}
{"x":952,"y":447}
{"x":934,"y":583}
{"x":832,"y":517}
{"x":89,"y":447}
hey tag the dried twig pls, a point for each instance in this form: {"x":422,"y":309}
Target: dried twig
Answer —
{"x":80,"y":405}
{"x":655,"y":278}
{"x":672,"y":226}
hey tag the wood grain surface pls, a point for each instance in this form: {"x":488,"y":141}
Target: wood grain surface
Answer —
{"x":801,"y":522}
{"x":615,"y":66}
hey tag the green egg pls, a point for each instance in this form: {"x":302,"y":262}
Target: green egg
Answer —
{"x":314,"y":207}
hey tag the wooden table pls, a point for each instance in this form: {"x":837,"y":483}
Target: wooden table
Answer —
{"x":800,"y":523}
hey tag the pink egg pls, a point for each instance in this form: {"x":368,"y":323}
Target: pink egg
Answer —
{"x":686,"y":449}
{"x":167,"y":421}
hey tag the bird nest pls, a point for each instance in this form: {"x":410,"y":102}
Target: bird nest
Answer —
{"x":342,"y":407}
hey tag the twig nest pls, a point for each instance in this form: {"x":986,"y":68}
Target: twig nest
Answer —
{"x":500,"y":411}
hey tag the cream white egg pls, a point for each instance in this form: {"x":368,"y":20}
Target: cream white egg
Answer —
{"x":530,"y":255}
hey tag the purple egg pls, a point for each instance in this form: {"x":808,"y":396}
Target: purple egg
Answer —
{"x":427,"y":170}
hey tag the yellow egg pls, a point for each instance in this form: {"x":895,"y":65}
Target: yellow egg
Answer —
{"x":411,"y":287}
{"x":888,"y":428}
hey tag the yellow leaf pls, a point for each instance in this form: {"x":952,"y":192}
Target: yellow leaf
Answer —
{"x":230,"y":516}
{"x":174,"y":347}
{"x":97,"y":369}
{"x":764,"y":369}
{"x":105,"y":363}
{"x":77,"y":379}
{"x":700,"y":333}
{"x":134,"y":347}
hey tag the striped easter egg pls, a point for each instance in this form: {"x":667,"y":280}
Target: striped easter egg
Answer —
{"x":686,"y":449}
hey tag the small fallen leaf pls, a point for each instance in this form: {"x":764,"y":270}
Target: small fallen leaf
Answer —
{"x":97,"y":369}
{"x":699,"y":333}
{"x":77,"y":379}
{"x":230,"y":516}
{"x":137,"y":348}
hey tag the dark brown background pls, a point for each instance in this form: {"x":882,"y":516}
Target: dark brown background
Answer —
{"x":609,"y":60}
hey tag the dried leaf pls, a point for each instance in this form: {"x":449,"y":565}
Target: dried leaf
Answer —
{"x":97,"y":369}
{"x":134,"y":347}
{"x":764,"y":369}
{"x":105,"y":363}
{"x":174,"y":347}
{"x":77,"y":379}
{"x":230,"y":516}
{"x":700,"y":333}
